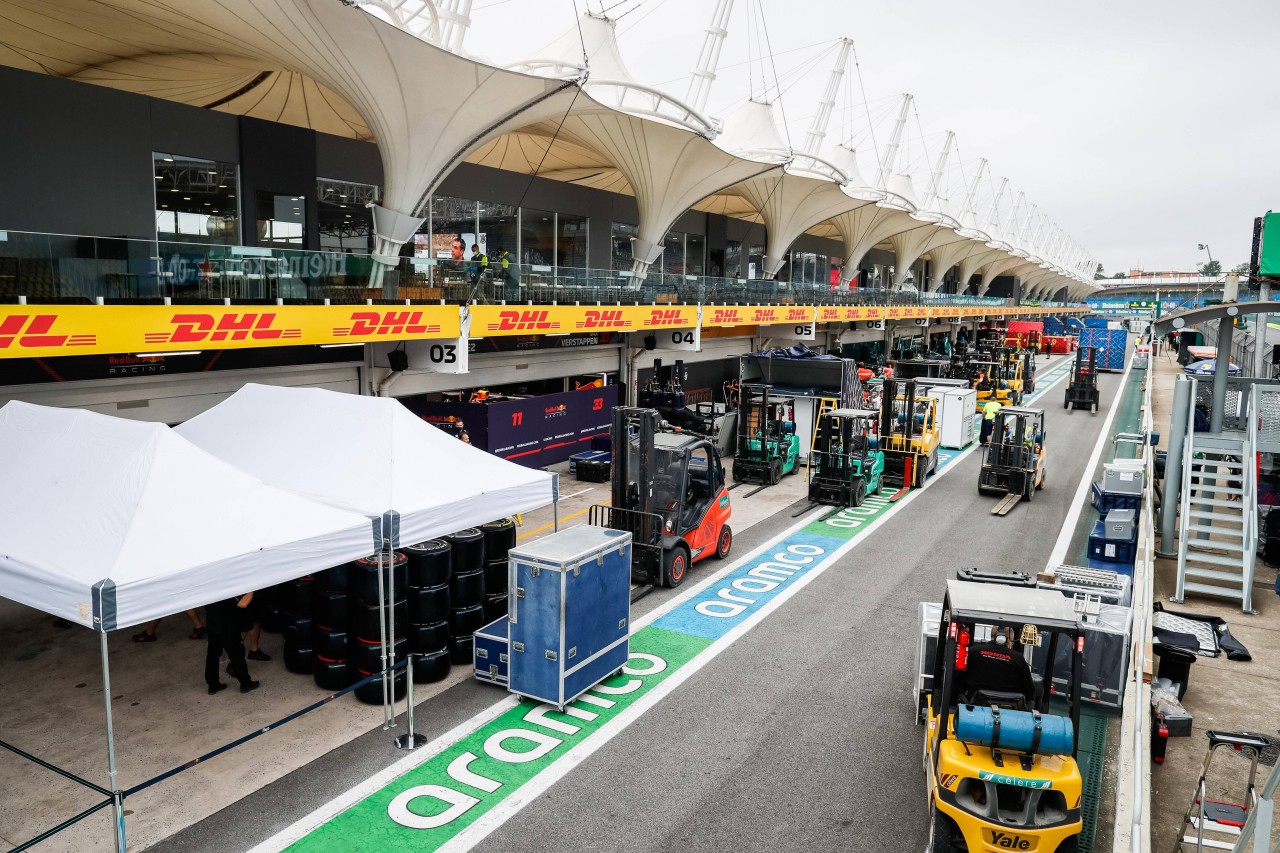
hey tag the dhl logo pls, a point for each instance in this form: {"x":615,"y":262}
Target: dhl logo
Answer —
{"x":797,"y":315}
{"x":764,"y":315}
{"x":199,"y":328}
{"x":523,"y":321}
{"x":895,"y":313}
{"x":384,"y":324}
{"x":726,"y":317}
{"x":31,"y":331}
{"x":666,"y":317}
{"x":602,"y":320}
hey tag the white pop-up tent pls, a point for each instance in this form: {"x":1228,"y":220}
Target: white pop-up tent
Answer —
{"x":366,"y":454}
{"x":371,"y":455}
{"x":111,"y":523}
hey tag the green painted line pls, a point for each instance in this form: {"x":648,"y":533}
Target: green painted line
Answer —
{"x":432,"y":803}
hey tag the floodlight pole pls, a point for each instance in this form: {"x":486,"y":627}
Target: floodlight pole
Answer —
{"x":117,"y":800}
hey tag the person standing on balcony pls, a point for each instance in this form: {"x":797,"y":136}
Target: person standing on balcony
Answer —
{"x":510,"y":284}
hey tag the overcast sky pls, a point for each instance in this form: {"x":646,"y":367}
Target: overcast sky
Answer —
{"x":1142,"y":128}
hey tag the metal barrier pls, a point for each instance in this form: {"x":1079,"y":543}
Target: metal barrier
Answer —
{"x":1133,"y":788}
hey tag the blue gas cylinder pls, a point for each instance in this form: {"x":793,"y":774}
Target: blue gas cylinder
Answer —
{"x":1017,"y":731}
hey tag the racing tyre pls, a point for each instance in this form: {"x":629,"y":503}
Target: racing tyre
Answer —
{"x":675,"y":565}
{"x":724,"y":542}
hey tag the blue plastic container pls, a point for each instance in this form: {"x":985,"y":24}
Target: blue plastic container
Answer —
{"x":1111,"y":550}
{"x":1016,"y":732}
{"x":1104,"y":502}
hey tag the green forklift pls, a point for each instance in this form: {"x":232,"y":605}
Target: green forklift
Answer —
{"x":768,"y":446}
{"x":846,"y":463}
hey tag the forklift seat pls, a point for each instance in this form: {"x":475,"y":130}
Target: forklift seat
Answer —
{"x":1012,"y":699}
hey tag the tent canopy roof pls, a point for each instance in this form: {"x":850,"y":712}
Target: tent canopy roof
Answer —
{"x":110,"y":522}
{"x":369,"y":455}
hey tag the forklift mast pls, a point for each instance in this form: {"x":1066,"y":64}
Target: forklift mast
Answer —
{"x":633,"y":460}
{"x":889,"y":409}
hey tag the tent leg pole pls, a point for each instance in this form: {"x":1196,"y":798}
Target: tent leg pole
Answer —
{"x":382,"y":631}
{"x":388,"y":679}
{"x":118,"y":801}
{"x":410,"y":740}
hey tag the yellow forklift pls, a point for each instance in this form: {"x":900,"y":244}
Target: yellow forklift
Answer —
{"x":909,"y":434}
{"x":1000,"y":764}
{"x":1006,"y":377}
{"x":1013,"y":462}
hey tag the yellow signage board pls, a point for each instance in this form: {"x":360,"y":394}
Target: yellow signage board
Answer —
{"x":849,"y":313}
{"x":28,"y":331}
{"x":755,"y":315}
{"x":493,"y":320}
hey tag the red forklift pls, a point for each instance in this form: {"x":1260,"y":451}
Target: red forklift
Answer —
{"x":669,"y":493}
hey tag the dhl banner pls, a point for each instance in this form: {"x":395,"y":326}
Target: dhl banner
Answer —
{"x":28,"y":331}
{"x":849,"y":313}
{"x":41,"y":331}
{"x":489,"y":320}
{"x":755,"y":315}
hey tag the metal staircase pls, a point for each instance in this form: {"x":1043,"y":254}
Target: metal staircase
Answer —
{"x":1218,"y":520}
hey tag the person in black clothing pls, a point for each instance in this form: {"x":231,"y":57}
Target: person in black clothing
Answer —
{"x":998,"y":665}
{"x":222,"y":620}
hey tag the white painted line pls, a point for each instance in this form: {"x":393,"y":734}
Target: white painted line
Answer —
{"x":1086,"y":479}
{"x":500,"y":813}
{"x":381,"y":779}
{"x":575,"y":494}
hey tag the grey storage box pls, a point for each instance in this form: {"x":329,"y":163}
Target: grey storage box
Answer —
{"x":1120,"y":525}
{"x":1122,"y":478}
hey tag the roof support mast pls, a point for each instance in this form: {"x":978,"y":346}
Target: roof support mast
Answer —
{"x":971,"y":197}
{"x":891,"y":151}
{"x":818,"y":130}
{"x":709,"y":58}
{"x":939,"y":172}
{"x":455,"y":18}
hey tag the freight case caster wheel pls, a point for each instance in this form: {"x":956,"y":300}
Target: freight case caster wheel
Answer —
{"x":675,"y":565}
{"x":724,"y":542}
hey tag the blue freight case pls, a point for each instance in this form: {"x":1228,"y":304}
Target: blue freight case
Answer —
{"x":1112,"y":345}
{"x":587,"y":456}
{"x":570,"y":612}
{"x":491,"y":649}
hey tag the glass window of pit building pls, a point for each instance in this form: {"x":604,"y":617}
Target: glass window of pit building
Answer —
{"x":343,"y":216}
{"x":196,"y":200}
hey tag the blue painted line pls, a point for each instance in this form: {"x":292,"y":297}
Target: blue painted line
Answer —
{"x":724,"y":605}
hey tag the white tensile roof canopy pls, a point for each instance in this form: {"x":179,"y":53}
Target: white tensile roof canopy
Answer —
{"x":369,"y":455}
{"x":111,"y":523}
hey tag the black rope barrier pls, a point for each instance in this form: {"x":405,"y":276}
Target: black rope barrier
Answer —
{"x":142,"y":786}
{"x":47,"y":766}
{"x":52,"y":832}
